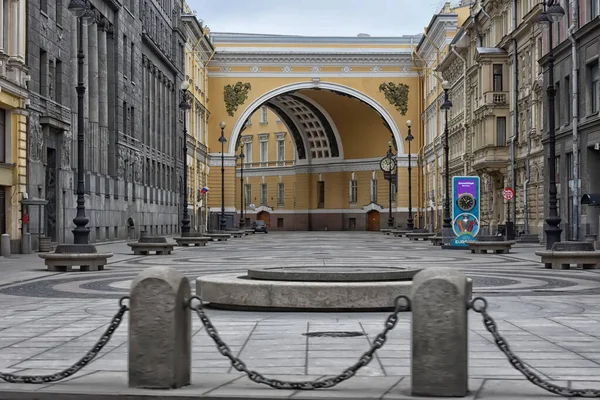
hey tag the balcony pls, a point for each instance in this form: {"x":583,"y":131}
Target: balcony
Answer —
{"x":493,"y":99}
{"x":53,"y":113}
{"x":490,"y":157}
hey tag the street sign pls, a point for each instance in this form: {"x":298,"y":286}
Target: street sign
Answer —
{"x":508,"y":194}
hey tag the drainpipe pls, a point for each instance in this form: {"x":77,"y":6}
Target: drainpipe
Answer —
{"x":453,"y":49}
{"x":515,"y":135}
{"x":574,"y":99}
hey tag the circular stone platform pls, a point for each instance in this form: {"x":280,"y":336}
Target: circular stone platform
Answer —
{"x":310,"y":288}
{"x":333,"y":273}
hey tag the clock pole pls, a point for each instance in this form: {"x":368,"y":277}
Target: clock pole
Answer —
{"x":388,"y":165}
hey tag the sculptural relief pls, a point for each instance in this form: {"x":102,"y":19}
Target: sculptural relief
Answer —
{"x":121,"y":169}
{"x":36,"y":137}
{"x":65,"y":152}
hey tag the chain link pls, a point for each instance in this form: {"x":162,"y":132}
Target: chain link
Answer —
{"x":479,"y":305}
{"x":85,"y":360}
{"x":257,"y":377}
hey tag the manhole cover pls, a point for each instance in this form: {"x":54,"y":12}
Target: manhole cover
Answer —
{"x":334,"y":334}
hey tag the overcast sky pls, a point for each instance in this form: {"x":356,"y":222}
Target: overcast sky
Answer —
{"x":317,"y":17}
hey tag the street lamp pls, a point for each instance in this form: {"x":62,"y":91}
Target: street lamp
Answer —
{"x":222,"y":221}
{"x":242,"y":184}
{"x":409,"y":138}
{"x":553,"y":12}
{"x":85,"y":15}
{"x":447,"y":105}
{"x":185,"y":105}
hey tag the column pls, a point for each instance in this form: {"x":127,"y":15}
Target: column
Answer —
{"x":2,"y":25}
{"x":92,"y":145}
{"x":22,"y":18}
{"x":103,"y":96}
{"x":14,"y":35}
{"x":86,"y":82}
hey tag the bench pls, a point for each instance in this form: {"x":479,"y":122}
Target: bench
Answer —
{"x":400,"y":233}
{"x":236,"y":234}
{"x":386,"y":231}
{"x":249,"y":231}
{"x":563,"y":254}
{"x":64,"y":262}
{"x":422,"y":236}
{"x":436,"y":240}
{"x":144,"y":249}
{"x":218,"y":236}
{"x":191,"y":240}
{"x":498,"y":245}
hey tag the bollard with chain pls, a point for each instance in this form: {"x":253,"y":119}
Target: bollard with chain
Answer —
{"x":85,"y":360}
{"x":479,"y":305}
{"x":257,"y":377}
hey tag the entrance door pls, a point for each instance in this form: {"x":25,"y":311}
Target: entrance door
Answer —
{"x":373,"y":220}
{"x":264,"y":216}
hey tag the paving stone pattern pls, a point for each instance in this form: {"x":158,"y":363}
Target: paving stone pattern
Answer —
{"x":551,"y":319}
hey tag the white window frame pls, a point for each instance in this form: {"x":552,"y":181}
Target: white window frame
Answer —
{"x":280,"y":194}
{"x":264,"y":194}
{"x":353,"y":191}
{"x":374,"y":191}
{"x":264,"y":115}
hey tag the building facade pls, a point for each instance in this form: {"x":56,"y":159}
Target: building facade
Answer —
{"x":13,"y":118}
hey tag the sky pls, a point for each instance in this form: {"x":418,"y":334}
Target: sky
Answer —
{"x":317,"y":17}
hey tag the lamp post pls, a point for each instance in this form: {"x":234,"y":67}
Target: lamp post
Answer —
{"x":82,"y":10}
{"x":447,"y":226}
{"x":185,"y":105}
{"x":242,"y":185}
{"x":553,"y":12}
{"x":390,"y":155}
{"x":409,"y":138}
{"x":222,"y":221}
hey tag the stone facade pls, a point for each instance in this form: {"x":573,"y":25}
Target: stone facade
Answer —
{"x":122,"y":193}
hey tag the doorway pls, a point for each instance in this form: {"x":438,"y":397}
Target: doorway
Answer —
{"x":264,"y":216}
{"x":373,"y":217}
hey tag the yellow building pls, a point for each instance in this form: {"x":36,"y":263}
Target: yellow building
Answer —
{"x":198,"y":52}
{"x":433,"y":47}
{"x":13,"y":116}
{"x":340,"y":101}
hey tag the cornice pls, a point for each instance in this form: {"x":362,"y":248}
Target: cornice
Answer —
{"x":276,"y":58}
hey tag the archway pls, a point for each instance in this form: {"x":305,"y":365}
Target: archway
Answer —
{"x":335,"y":87}
{"x":264,"y":216}
{"x":373,"y":218}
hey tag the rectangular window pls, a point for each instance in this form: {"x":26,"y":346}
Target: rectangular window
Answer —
{"x":132,"y":121}
{"x":557,"y":108}
{"x":353,"y":191}
{"x":263,"y":115}
{"x":500,"y":131}
{"x":594,"y":8}
{"x":280,"y":152}
{"x":280,"y":194}
{"x":125,"y":69}
{"x":248,"y":153}
{"x":264,"y":153}
{"x":59,"y":12}
{"x":568,"y":99}
{"x":125,"y":118}
{"x":43,"y":73}
{"x":352,"y":223}
{"x":594,"y":86}
{"x":321,"y":194}
{"x":280,"y":222}
{"x":248,"y":194}
{"x":569,"y":166}
{"x":2,"y":135}
{"x":497,"y":78}
{"x":44,"y":6}
{"x":58,"y":76}
{"x":131,"y":63}
{"x":374,"y":191}
{"x":557,"y":172}
{"x":263,"y":194}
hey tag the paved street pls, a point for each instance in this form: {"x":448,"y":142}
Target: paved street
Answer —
{"x":551,"y":319}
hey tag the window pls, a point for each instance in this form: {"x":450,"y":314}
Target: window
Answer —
{"x":500,"y":131}
{"x":353,"y":191}
{"x":59,"y":12}
{"x":132,"y":122}
{"x":557,"y":172}
{"x":497,"y":78}
{"x":44,"y":6}
{"x":58,"y":75}
{"x":321,"y":193}
{"x":373,"y":190}
{"x":280,"y":222}
{"x":248,"y":194}
{"x":264,"y":152}
{"x":557,"y":108}
{"x":125,"y":69}
{"x":131,"y":58}
{"x":125,"y":118}
{"x":248,"y":153}
{"x":352,"y":223}
{"x":263,"y":194}
{"x":263,"y":115}
{"x":2,"y":135}
{"x":594,"y":8}
{"x":594,"y":86}
{"x":280,"y":151}
{"x":569,"y":166}
{"x":568,"y":99}
{"x":280,"y":194}
{"x":43,"y":73}
{"x":394,"y":191}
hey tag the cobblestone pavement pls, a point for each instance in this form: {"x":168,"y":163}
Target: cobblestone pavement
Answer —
{"x":551,"y":318}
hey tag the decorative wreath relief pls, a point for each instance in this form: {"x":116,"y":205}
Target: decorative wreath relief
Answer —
{"x":396,"y":94}
{"x":235,"y":96}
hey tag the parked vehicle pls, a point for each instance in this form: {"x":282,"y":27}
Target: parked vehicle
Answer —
{"x":260,"y":226}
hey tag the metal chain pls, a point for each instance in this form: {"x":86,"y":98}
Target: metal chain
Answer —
{"x":479,"y":305}
{"x":257,"y":377}
{"x":85,"y":360}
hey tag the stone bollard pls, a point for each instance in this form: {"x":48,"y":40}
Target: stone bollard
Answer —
{"x":5,"y":245}
{"x":26,"y":243}
{"x":160,"y":330}
{"x":439,"y":333}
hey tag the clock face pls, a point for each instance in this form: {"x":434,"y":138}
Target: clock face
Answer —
{"x":466,"y":202}
{"x":387,"y":164}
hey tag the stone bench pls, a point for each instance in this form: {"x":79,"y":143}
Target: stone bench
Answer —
{"x":386,"y":231}
{"x":218,"y":236}
{"x":399,"y":233}
{"x":249,"y":231}
{"x":422,"y":236}
{"x":64,"y":262}
{"x":191,"y":240}
{"x":563,"y":254}
{"x":237,"y":234}
{"x":497,"y":246}
{"x":436,"y":240}
{"x":144,"y":249}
